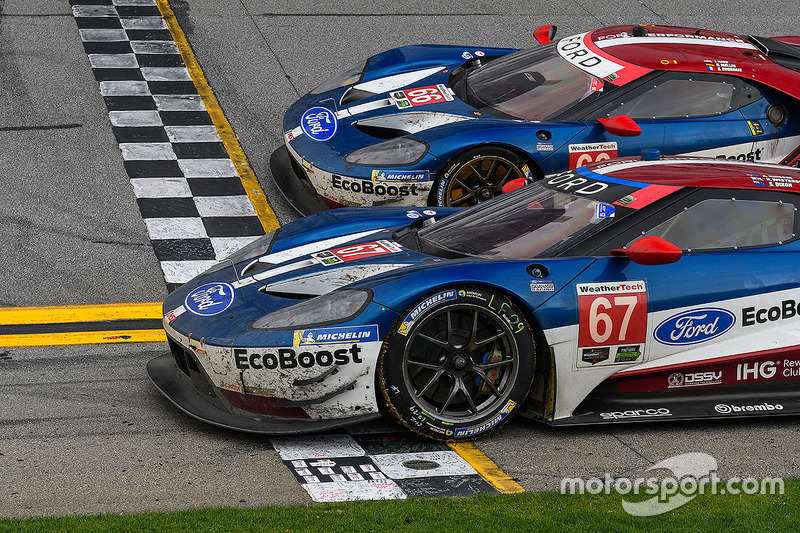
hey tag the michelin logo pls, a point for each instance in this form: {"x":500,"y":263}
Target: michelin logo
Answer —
{"x":489,"y":424}
{"x":400,"y":175}
{"x":433,"y":300}
{"x":336,"y":335}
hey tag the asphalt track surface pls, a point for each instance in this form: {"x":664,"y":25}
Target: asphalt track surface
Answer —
{"x":82,"y":431}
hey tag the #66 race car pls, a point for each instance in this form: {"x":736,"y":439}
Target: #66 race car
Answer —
{"x":449,"y":125}
{"x":630,"y":290}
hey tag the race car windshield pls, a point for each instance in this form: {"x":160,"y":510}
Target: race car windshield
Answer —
{"x":534,"y":84}
{"x":534,"y":221}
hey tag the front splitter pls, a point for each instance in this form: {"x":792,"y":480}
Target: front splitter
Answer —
{"x":298,"y":192}
{"x":163,"y":374}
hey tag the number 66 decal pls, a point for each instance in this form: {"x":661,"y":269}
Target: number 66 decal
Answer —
{"x":612,"y":313}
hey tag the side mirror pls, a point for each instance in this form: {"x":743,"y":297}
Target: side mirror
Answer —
{"x":650,"y":251}
{"x":545,"y":34}
{"x":621,"y":125}
{"x":515,"y":184}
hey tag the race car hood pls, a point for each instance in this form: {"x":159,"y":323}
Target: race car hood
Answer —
{"x":402,"y":91}
{"x":316,"y":256}
{"x":310,"y":258}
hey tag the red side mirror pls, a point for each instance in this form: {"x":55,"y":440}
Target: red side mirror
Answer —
{"x":515,"y":184}
{"x":621,"y":125}
{"x":545,"y":34}
{"x":650,"y":251}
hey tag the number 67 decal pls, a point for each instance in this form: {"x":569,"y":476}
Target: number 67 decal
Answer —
{"x":611,"y":314}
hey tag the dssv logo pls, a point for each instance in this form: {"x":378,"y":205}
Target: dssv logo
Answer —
{"x":694,"y":326}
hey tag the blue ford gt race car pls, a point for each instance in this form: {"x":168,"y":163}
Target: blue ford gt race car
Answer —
{"x":628,"y":290}
{"x":449,"y":125}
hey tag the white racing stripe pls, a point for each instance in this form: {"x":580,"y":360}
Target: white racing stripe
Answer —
{"x":390,"y":83}
{"x":381,"y":85}
{"x":677,"y":39}
{"x":352,"y":112}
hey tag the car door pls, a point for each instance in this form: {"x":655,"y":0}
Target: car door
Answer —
{"x":682,"y":113}
{"x":739,"y":251}
{"x":734,"y":296}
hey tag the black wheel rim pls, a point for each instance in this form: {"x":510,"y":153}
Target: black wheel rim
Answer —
{"x":479,"y":180}
{"x":460,"y":363}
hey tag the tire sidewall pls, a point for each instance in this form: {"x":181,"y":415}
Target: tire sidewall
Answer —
{"x":399,"y":401}
{"x":464,"y":158}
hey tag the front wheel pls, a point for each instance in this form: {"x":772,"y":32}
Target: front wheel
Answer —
{"x":478,"y":174}
{"x":458,"y":363}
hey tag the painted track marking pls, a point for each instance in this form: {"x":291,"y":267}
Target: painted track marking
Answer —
{"x":22,"y":327}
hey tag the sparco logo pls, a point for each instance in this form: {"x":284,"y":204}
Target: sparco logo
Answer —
{"x":636,"y":413}
{"x":725,"y":409}
{"x":288,"y":358}
{"x":694,"y":326}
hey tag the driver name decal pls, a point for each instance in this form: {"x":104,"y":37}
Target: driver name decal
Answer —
{"x":612,"y":320}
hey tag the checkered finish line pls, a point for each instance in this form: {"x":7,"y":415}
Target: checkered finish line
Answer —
{"x":188,"y":189}
{"x":348,"y":467}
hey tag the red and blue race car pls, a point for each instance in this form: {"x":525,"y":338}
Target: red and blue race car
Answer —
{"x":450,"y":125}
{"x":629,"y":290}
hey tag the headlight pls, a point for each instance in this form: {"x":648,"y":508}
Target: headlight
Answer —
{"x":332,"y":308}
{"x":258,"y":247}
{"x":343,"y":79}
{"x":400,"y":151}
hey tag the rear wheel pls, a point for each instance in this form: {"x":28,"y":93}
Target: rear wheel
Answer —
{"x":459,"y":363}
{"x":478,"y":174}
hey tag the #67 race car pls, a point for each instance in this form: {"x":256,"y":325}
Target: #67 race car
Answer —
{"x":449,"y":125}
{"x":630,"y":290}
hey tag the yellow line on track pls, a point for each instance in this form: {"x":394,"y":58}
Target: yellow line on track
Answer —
{"x":487,"y":469}
{"x":79,"y":313}
{"x":265,"y":214}
{"x":81,"y":337}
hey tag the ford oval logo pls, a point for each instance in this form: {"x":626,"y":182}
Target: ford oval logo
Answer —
{"x":694,"y":326}
{"x":210,"y":299}
{"x":319,"y":123}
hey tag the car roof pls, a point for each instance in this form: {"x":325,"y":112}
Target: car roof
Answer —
{"x":698,"y":172}
{"x":774,"y":62}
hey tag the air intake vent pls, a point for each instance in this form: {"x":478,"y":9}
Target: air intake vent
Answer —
{"x":380,"y":132}
{"x":354,"y":95}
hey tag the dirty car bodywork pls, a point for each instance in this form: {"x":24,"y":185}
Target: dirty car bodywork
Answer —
{"x":628,"y":290}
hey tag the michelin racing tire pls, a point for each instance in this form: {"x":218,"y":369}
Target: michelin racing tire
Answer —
{"x":457,"y":363}
{"x":478,"y":174}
